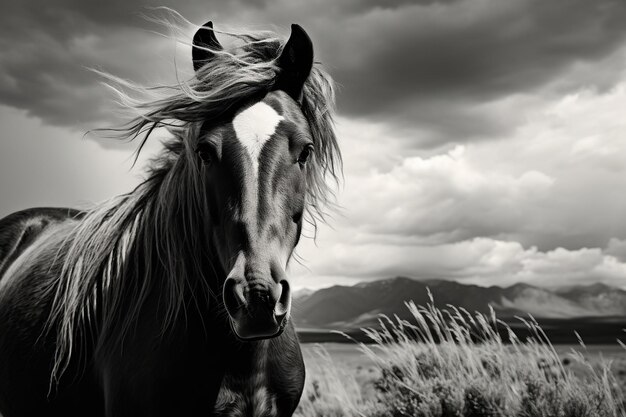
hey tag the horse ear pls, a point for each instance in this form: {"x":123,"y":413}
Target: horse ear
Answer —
{"x":203,"y":39}
{"x":295,"y":62}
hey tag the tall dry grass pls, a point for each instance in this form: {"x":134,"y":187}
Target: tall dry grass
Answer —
{"x":452,"y":363}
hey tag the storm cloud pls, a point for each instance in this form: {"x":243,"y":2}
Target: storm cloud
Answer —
{"x":436,"y":63}
{"x":482,"y":139}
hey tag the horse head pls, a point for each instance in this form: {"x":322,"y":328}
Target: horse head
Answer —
{"x":254,"y":167}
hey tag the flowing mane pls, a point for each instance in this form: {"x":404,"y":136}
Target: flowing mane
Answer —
{"x":125,"y":247}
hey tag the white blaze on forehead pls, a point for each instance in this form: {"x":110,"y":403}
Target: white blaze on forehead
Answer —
{"x":253,"y":127}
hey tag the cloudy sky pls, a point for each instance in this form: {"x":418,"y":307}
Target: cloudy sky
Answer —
{"x":484,"y":140}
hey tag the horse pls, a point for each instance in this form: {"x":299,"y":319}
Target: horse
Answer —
{"x":173,"y":299}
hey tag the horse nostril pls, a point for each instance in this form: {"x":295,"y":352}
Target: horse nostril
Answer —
{"x":234,"y":300}
{"x":284,"y":301}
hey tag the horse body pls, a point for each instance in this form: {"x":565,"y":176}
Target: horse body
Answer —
{"x":200,"y":363}
{"x":172,"y":300}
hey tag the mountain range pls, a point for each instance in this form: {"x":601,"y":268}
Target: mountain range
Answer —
{"x":349,"y":307}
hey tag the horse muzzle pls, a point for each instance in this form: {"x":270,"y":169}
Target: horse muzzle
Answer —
{"x":258,"y":308}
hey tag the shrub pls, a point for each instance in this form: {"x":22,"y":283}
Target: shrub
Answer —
{"x":450,"y":363}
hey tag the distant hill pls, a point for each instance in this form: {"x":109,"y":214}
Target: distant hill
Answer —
{"x":360,"y":305}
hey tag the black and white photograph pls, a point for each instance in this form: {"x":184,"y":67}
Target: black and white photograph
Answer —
{"x":313,"y":208}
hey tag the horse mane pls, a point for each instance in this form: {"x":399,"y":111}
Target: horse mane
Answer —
{"x":153,"y":236}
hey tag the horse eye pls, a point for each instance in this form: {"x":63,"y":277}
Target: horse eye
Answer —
{"x":305,"y":154}
{"x":205,"y":152}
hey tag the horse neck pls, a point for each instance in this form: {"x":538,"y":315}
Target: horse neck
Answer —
{"x":173,"y":268}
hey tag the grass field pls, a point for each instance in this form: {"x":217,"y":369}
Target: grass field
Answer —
{"x":456,"y":364}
